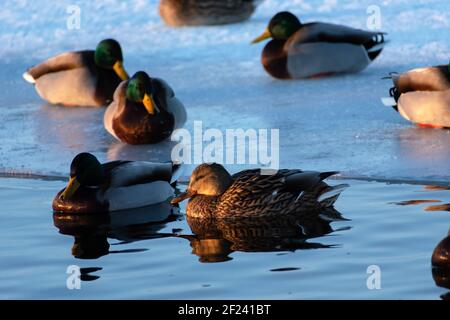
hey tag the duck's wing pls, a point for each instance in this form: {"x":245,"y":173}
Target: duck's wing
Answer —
{"x":328,"y":32}
{"x":422,"y":79}
{"x":166,"y":96}
{"x":128,"y":173}
{"x":61,"y":62}
{"x":305,"y":180}
{"x":115,"y":107}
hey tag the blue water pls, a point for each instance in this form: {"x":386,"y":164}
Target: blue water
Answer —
{"x":336,"y":123}
{"x":153,"y":253}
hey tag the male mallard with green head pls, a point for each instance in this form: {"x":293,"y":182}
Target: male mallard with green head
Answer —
{"x":116,"y":185}
{"x":80,"y":78}
{"x":422,"y":96}
{"x":144,"y":110}
{"x":213,"y":192}
{"x":306,"y":50}
{"x":178,"y":13}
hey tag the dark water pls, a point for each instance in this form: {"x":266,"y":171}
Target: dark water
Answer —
{"x":157,"y":253}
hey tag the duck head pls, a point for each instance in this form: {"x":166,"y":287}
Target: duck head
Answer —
{"x":141,"y":90}
{"x":208,"y":179}
{"x":108,"y":55}
{"x":282,"y":25}
{"x":85,"y":170}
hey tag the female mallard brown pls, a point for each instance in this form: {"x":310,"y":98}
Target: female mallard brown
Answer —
{"x":145,"y":110}
{"x":213,"y":192}
{"x":205,"y":12}
{"x":81,"y":78}
{"x":422,"y":96}
{"x":316,"y":49}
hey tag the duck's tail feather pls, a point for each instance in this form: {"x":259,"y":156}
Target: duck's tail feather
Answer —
{"x":177,"y":171}
{"x":331,"y":194}
{"x":28,"y":77}
{"x":324,"y":175}
{"x":331,"y":214}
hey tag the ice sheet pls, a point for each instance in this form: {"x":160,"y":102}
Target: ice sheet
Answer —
{"x":325,"y":124}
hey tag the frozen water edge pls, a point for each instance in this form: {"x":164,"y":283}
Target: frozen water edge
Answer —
{"x":325,"y":124}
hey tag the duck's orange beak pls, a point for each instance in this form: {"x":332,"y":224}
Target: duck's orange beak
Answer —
{"x":150,"y":104}
{"x":71,"y":188}
{"x":266,"y":35}
{"x":182,"y":196}
{"x":119,"y":69}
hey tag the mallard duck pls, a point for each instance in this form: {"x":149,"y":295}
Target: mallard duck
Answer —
{"x":144,"y":110}
{"x":81,"y":78}
{"x":422,"y":96}
{"x":440,"y":261}
{"x":213,"y":192}
{"x":116,"y":185}
{"x":316,"y":49}
{"x":205,"y":12}
{"x":441,"y":254}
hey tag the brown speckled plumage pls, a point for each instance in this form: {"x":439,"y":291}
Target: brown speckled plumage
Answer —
{"x":250,"y":194}
{"x":205,"y":12}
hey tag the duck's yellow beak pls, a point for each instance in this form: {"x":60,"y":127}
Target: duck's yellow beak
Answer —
{"x":71,"y":188}
{"x":119,"y":69}
{"x":150,"y":104}
{"x":266,"y":35}
{"x":182,"y":196}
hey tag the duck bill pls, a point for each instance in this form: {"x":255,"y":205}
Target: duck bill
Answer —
{"x":264,"y":36}
{"x":120,"y":71}
{"x":182,"y":196}
{"x":150,"y":104}
{"x":71,"y":188}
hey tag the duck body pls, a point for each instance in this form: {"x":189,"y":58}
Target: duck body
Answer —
{"x":126,"y":185}
{"x":73,"y":79}
{"x":178,"y":13}
{"x":441,"y":254}
{"x":320,"y":49}
{"x":252,"y":194}
{"x":129,"y":121}
{"x":422,"y":96}
{"x":80,"y":78}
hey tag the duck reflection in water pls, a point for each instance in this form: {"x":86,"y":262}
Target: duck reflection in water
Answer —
{"x":440,"y":261}
{"x":92,"y":231}
{"x":213,"y":240}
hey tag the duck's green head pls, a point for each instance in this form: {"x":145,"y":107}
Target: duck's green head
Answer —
{"x":108,"y":55}
{"x":85,"y":170}
{"x":208,"y":179}
{"x":282,"y":25}
{"x":140,"y":90}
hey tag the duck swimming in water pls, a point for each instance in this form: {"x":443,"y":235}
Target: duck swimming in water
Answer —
{"x":213,"y":192}
{"x":307,"y":50}
{"x":422,"y":96}
{"x":144,"y":110}
{"x":80,"y":78}
{"x":118,"y":185}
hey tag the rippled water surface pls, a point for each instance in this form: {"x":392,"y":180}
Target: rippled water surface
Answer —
{"x":157,"y":253}
{"x":336,"y":123}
